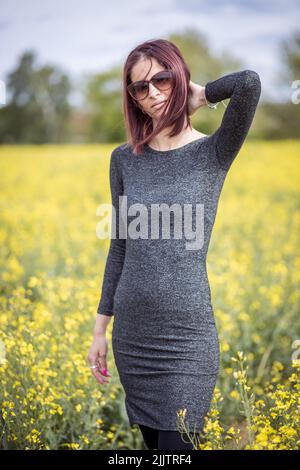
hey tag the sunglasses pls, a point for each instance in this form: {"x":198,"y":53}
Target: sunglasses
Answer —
{"x":162,"y":80}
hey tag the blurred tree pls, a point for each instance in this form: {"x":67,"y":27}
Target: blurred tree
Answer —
{"x":104,"y":103}
{"x":39,"y":111}
{"x":38,"y":108}
{"x":289,"y":50}
{"x":204,"y":66}
{"x":282,"y":120}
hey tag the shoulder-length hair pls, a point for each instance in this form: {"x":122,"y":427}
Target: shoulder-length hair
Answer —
{"x":138,"y":125}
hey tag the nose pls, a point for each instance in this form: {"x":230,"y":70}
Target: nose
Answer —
{"x":153,"y":90}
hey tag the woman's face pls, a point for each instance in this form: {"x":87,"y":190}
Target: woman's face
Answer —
{"x":143,"y":70}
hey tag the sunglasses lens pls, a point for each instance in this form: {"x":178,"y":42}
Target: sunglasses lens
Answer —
{"x":139,"y":91}
{"x":163,"y":80}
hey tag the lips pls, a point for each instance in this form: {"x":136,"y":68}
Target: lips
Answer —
{"x":156,"y":105}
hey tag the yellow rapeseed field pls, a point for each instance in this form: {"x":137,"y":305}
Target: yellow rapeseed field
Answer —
{"x":52,"y":265}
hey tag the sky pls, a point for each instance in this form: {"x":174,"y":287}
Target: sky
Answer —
{"x":91,"y":36}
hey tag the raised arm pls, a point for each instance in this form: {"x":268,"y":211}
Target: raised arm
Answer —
{"x":244,"y":89}
{"x":116,"y":253}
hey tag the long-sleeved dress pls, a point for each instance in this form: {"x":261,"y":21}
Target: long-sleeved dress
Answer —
{"x":165,"y":341}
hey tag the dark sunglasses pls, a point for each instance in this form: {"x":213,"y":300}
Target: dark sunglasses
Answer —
{"x":162,"y":80}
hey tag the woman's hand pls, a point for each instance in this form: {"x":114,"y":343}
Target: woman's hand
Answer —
{"x":97,"y":356}
{"x":197,"y":97}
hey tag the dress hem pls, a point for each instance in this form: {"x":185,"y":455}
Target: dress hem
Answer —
{"x":133,"y":423}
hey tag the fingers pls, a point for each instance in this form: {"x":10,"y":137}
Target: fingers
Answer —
{"x":98,"y":376}
{"x":96,"y":373}
{"x":103,"y":365}
{"x":99,"y":371}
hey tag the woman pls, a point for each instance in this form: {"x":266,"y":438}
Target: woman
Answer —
{"x":165,"y":341}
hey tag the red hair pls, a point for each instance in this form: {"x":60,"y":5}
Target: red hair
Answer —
{"x":138,"y":125}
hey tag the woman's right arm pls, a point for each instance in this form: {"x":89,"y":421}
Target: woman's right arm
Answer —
{"x":113,"y":268}
{"x":117,"y":249}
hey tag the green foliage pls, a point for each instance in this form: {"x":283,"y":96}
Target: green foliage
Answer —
{"x":39,"y":108}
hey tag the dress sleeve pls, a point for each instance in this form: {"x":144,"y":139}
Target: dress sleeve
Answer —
{"x":117,"y":248}
{"x":244,"y":89}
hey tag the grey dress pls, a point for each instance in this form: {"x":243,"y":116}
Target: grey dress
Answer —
{"x":165,"y":341}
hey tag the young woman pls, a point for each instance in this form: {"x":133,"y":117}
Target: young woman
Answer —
{"x":165,"y":341}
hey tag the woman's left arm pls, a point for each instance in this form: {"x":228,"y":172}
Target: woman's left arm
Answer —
{"x":244,"y":89}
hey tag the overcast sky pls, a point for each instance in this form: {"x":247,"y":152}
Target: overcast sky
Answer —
{"x":91,"y":35}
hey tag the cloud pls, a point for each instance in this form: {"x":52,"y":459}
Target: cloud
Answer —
{"x":95,"y":34}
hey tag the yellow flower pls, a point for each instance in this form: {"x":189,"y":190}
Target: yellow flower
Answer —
{"x":181,"y":412}
{"x":234,"y":394}
{"x":240,"y":355}
{"x":85,"y":439}
{"x":33,"y":281}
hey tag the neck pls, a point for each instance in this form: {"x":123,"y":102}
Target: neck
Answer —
{"x":162,"y":140}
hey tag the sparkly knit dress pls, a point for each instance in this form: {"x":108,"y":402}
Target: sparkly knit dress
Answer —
{"x":164,"y":338}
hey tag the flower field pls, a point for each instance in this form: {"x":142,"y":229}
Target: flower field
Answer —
{"x":52,"y":265}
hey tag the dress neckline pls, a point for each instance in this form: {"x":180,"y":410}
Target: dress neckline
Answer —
{"x":177,"y":149}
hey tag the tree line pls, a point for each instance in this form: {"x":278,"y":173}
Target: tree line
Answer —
{"x":39,"y":108}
